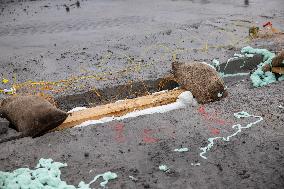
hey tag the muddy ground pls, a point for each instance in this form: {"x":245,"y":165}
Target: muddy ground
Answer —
{"x":104,"y":43}
{"x":136,"y":147}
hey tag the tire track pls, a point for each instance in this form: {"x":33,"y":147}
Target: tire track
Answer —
{"x":69,"y":26}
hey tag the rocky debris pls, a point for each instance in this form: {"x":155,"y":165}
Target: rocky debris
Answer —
{"x":67,"y":8}
{"x":77,"y":4}
{"x":31,"y":115}
{"x":202,"y":80}
{"x":267,"y":31}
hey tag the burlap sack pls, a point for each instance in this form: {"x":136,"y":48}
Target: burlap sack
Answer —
{"x":202,"y":80}
{"x":277,"y":61}
{"x":31,"y":115}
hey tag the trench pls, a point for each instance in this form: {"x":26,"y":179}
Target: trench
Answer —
{"x":141,"y":88}
{"x":115,"y":93}
{"x":136,"y":89}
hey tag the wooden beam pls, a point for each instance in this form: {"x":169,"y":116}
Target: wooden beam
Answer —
{"x":120,"y":108}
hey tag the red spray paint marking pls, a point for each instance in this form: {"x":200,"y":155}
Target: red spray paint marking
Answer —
{"x":119,"y":128}
{"x":202,"y":111}
{"x":147,"y":138}
{"x":212,"y":117}
{"x":267,"y":24}
{"x":215,"y":131}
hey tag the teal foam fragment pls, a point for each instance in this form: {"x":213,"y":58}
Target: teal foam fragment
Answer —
{"x":133,"y":178}
{"x":181,"y":150}
{"x":215,"y":63}
{"x":220,"y":95}
{"x":163,"y":168}
{"x":258,"y":77}
{"x":107,"y":176}
{"x":45,"y":176}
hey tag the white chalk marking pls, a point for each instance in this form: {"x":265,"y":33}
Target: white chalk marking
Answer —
{"x":133,"y":178}
{"x":181,"y":150}
{"x":164,"y":168}
{"x":195,"y":164}
{"x":239,"y":129}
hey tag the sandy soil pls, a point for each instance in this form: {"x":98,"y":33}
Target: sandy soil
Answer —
{"x":105,"y":43}
{"x":136,"y":147}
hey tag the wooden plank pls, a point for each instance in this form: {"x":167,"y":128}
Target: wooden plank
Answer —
{"x":120,"y":108}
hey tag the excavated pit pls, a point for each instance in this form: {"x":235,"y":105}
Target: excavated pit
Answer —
{"x":132,"y":90}
{"x":107,"y":95}
{"x":115,"y":93}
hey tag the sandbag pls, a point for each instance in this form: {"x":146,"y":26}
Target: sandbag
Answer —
{"x":277,"y":61}
{"x":31,"y":115}
{"x":202,"y":80}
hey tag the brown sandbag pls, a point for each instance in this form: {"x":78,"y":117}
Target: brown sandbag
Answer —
{"x":202,"y":80}
{"x":277,"y":61}
{"x":31,"y":115}
{"x":278,"y":70}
